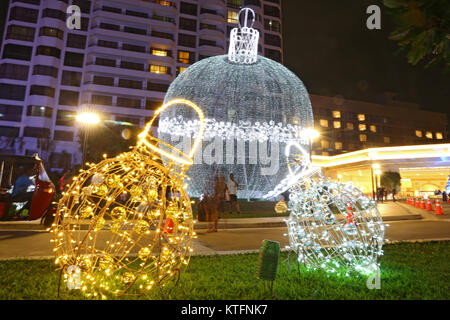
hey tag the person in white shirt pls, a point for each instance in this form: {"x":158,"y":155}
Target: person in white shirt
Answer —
{"x":232,"y":186}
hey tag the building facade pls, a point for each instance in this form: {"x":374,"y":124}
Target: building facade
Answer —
{"x":118,"y":64}
{"x":349,"y":125}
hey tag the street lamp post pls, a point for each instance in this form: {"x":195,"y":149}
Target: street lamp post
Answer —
{"x":373,"y":190}
{"x":375,"y":166}
{"x":310,"y":134}
{"x":86,"y":120}
{"x":377,"y":177}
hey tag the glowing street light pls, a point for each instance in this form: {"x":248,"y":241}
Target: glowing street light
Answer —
{"x":377,"y":176}
{"x":310,"y":134}
{"x":88,"y":118}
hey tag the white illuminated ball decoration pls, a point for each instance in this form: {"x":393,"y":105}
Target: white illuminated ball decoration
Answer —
{"x":333,"y":226}
{"x":249,"y":101}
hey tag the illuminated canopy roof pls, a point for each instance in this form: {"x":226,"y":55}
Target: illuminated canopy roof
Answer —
{"x":386,"y":153}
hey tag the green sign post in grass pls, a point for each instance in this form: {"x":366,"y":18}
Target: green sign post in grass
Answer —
{"x":269,"y":255}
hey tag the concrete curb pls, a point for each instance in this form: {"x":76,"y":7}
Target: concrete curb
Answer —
{"x":225,"y":253}
{"x":33,"y":226}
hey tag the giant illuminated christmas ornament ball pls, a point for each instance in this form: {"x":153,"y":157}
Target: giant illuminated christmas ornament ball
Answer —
{"x":333,"y":226}
{"x":253,"y":107}
{"x":124,"y":225}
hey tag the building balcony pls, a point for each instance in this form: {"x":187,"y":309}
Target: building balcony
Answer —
{"x":147,"y":55}
{"x":41,"y":122}
{"x":211,"y":45}
{"x":44,"y":101}
{"x":211,"y":15}
{"x":165,"y":3}
{"x":41,"y":80}
{"x":212,"y":32}
{"x":216,"y":4}
{"x":155,"y":36}
{"x":117,"y":71}
{"x":155,"y":20}
{"x":112,"y":90}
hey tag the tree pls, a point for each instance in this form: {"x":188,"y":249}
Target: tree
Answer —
{"x":108,"y":138}
{"x":391,"y":180}
{"x":423,"y":29}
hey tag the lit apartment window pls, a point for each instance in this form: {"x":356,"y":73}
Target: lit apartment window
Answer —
{"x":336,"y":114}
{"x":362,"y":137}
{"x":419,"y":134}
{"x":429,"y":135}
{"x":159,"y":69}
{"x":159,"y":52}
{"x":373,"y":128}
{"x":361,"y":117}
{"x":233,"y":17}
{"x":324,"y":123}
{"x":350,"y":126}
{"x":362,"y":127}
{"x":325,"y":144}
{"x":180,"y":69}
{"x":439,"y":136}
{"x":387,"y":140}
{"x":336,"y":124}
{"x":184,"y":57}
{"x":338,"y":145}
{"x":165,"y":3}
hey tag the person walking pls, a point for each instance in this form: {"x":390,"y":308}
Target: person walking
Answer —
{"x":444,"y":197}
{"x":232,"y":186}
{"x":393,"y":194}
{"x":215,"y":205}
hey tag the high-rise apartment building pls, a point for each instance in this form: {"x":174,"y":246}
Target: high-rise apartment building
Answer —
{"x":120,"y":63}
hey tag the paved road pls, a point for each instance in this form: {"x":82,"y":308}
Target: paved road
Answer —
{"x":250,"y":239}
{"x":34,"y":244}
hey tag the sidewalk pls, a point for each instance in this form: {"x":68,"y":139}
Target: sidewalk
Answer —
{"x":238,"y":235}
{"x":390,"y":211}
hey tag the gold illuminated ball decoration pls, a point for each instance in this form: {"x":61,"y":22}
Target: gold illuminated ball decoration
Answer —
{"x":124,"y":225}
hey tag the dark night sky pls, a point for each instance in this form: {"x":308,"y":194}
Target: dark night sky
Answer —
{"x":327,"y":44}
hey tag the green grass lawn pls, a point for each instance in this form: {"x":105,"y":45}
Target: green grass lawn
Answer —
{"x":408,"y":271}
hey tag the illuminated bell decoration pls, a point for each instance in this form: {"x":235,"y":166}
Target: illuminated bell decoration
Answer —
{"x":250,"y":103}
{"x":333,"y":226}
{"x":111,"y":224}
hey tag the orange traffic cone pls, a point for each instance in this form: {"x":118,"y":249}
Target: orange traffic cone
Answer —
{"x":417,"y":203}
{"x":422,"y":204}
{"x":448,"y":200}
{"x":438,"y":208}
{"x":350,"y":213}
{"x":429,"y":206}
